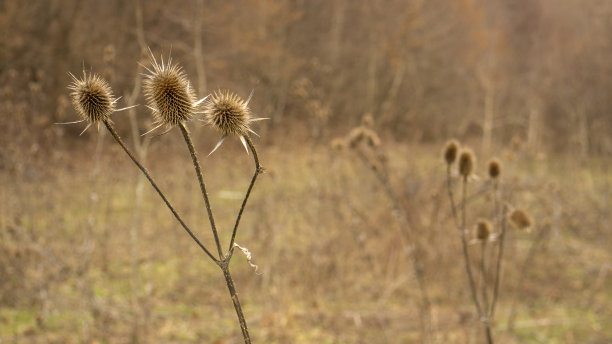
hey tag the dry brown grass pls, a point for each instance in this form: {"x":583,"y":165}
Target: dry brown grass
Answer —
{"x":322,"y":233}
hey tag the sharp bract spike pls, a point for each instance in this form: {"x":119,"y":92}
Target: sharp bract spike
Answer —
{"x":243,"y":140}
{"x":218,"y":145}
{"x":87,"y":127}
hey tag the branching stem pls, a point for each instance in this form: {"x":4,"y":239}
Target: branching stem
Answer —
{"x":159,"y":192}
{"x":198,"y":169}
{"x":258,"y":170}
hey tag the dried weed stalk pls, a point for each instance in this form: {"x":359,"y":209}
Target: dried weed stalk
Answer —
{"x":172,"y":102}
{"x":366,"y":144}
{"x":487,"y":235}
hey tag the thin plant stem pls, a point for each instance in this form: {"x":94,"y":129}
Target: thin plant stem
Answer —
{"x":159,"y":192}
{"x":483,"y":270}
{"x":198,"y":169}
{"x":500,"y":254}
{"x":466,"y":256}
{"x":450,"y":194}
{"x":230,"y":286}
{"x":481,"y":314}
{"x":258,"y":170}
{"x":527,"y":263}
{"x":384,"y":180}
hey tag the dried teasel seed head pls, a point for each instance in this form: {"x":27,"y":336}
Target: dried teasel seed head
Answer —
{"x":450,"y":151}
{"x":466,"y":162}
{"x":494,"y":168}
{"x":520,"y":219}
{"x":367,"y":120}
{"x":92,"y":98}
{"x":371,"y":138}
{"x":228,"y":113}
{"x":170,"y":96}
{"x":483,"y":230}
{"x":356,"y":136}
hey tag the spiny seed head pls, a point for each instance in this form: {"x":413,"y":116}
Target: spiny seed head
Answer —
{"x":483,"y":230}
{"x":371,"y":138}
{"x":494,"y":168}
{"x":228,"y":113}
{"x":520,"y":219}
{"x":169,"y":93}
{"x":466,"y":162}
{"x":92,"y":98}
{"x":450,"y":151}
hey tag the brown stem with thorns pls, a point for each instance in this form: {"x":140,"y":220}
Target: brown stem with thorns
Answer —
{"x":230,"y":286}
{"x":225,"y":260}
{"x":258,"y":170}
{"x":198,"y":169}
{"x":159,"y":192}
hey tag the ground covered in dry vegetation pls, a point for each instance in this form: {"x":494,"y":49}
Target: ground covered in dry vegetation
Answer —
{"x":88,"y":254}
{"x":354,"y":240}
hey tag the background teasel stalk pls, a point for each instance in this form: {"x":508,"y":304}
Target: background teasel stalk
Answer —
{"x":366,"y":143}
{"x":172,"y":102}
{"x":484,"y":231}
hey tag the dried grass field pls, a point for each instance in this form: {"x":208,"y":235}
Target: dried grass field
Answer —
{"x":89,"y":254}
{"x":289,"y":171}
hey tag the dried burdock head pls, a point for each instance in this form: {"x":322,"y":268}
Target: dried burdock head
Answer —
{"x":230,"y":115}
{"x":483,"y":230}
{"x":169,"y":94}
{"x":520,"y":219}
{"x":466,"y":162}
{"x":338,"y":144}
{"x":450,"y":151}
{"x":494,"y":168}
{"x":92,"y":99}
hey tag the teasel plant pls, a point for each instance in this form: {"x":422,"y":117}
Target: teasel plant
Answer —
{"x":366,"y":144}
{"x":466,"y":161}
{"x":173,"y":103}
{"x":489,"y":236}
